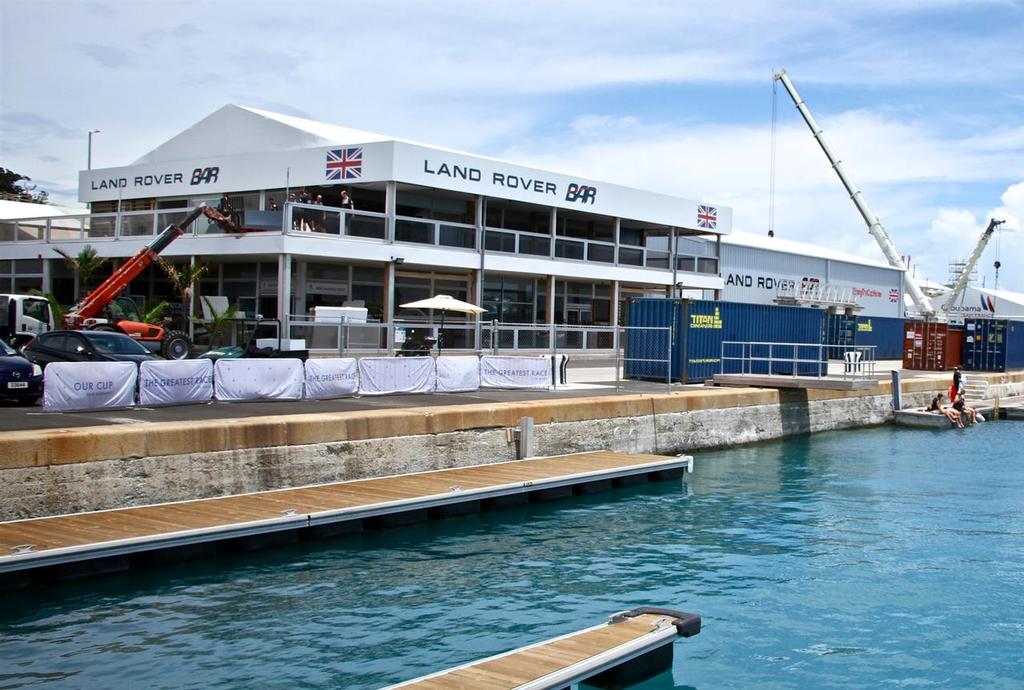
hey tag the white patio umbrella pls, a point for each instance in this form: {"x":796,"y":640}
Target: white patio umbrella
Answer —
{"x":444,"y":303}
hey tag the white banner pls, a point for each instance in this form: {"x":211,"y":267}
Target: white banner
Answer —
{"x":258,"y":379}
{"x":458,"y":374}
{"x":515,"y":372}
{"x":175,"y":381}
{"x":380,"y":375}
{"x":89,"y":385}
{"x":331,"y":378}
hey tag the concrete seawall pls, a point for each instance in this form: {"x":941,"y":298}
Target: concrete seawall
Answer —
{"x":71,"y":470}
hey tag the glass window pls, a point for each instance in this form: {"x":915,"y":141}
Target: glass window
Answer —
{"x":37,"y":309}
{"x":27,"y":284}
{"x":417,"y":204}
{"x":587,"y":226}
{"x":368,"y":274}
{"x":28,"y":266}
{"x":511,"y":215}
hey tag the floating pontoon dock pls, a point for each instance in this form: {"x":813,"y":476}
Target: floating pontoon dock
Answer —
{"x":111,"y":540}
{"x":630,"y":647}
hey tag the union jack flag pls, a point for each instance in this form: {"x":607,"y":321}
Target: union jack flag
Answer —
{"x":894,"y":295}
{"x":707,"y":217}
{"x":345,"y":164}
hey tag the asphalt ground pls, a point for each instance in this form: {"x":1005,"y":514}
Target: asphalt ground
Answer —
{"x":584,"y":382}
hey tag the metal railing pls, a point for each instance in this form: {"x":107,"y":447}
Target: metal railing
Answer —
{"x":649,"y":358}
{"x":311,"y":219}
{"x":796,"y":359}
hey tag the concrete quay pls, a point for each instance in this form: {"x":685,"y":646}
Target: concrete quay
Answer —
{"x":54,"y":471}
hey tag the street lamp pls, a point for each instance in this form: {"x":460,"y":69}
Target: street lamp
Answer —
{"x":88,"y":160}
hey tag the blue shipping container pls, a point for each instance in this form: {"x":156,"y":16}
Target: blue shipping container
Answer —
{"x":993,"y":344}
{"x":886,"y":334}
{"x":699,"y":329}
{"x":845,"y":330}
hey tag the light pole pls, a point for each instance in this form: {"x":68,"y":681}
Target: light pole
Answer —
{"x":88,"y":160}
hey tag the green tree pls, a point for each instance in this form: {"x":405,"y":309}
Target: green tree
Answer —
{"x":14,"y":184}
{"x":85,"y":265}
{"x":217,"y":326}
{"x":183,"y":280}
{"x":153,"y":311}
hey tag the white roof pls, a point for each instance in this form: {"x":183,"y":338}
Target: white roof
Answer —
{"x":11,"y":210}
{"x":999,"y":295}
{"x":748,"y":239}
{"x":236,"y":129}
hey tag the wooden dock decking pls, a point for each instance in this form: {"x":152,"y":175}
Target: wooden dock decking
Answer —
{"x":41,"y":542}
{"x":638,"y":637}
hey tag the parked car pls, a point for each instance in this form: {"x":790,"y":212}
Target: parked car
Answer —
{"x":20,"y":379}
{"x":85,"y":346}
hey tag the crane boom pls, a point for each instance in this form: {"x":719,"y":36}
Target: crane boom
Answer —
{"x":961,"y":282}
{"x":94,"y":302}
{"x":874,"y":225}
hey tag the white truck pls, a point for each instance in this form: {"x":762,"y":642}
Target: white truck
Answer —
{"x":23,"y":317}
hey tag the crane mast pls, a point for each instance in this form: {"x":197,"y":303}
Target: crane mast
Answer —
{"x":961,"y":282}
{"x":874,"y":225}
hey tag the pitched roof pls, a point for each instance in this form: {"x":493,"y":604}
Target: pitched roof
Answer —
{"x":234,"y":130}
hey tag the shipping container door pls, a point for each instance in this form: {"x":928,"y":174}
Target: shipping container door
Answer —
{"x":649,"y":347}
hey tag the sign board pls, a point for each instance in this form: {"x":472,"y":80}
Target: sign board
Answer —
{"x":258,"y":379}
{"x":383,"y":375}
{"x":458,"y":374}
{"x":89,"y":385}
{"x":172,"y":382}
{"x":515,"y":372}
{"x":331,"y":378}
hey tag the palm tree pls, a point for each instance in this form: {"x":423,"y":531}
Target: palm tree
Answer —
{"x":219,"y":322}
{"x":183,"y":280}
{"x":85,"y":265}
{"x":153,"y":311}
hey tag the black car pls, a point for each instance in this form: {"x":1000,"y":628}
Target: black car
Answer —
{"x":20,"y":379}
{"x":85,"y":346}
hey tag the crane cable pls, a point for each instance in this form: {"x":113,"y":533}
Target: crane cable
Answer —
{"x":997,"y":264}
{"x":771,"y":179}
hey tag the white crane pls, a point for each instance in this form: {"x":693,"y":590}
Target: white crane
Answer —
{"x":874,"y":225}
{"x":961,"y":282}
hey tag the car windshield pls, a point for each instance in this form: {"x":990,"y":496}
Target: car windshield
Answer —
{"x":6,"y":350}
{"x":115,"y":344}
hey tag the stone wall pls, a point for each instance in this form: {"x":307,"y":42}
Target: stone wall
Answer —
{"x":75,"y":470}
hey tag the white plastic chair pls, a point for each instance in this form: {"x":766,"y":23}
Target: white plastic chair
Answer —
{"x":852,"y":359}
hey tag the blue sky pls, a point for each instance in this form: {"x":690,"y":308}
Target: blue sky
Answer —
{"x":922,"y":101}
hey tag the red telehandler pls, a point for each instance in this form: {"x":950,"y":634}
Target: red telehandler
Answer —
{"x":105,"y":309}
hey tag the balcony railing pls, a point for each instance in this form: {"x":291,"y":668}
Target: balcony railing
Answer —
{"x":346,"y":223}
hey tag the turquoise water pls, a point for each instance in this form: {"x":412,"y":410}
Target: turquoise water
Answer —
{"x":856,"y":559}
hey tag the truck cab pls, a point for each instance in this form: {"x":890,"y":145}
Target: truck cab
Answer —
{"x":23,"y":317}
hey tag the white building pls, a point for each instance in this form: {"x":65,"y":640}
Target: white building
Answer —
{"x":983,"y":303}
{"x":533,"y":246}
{"x":757,"y":268}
